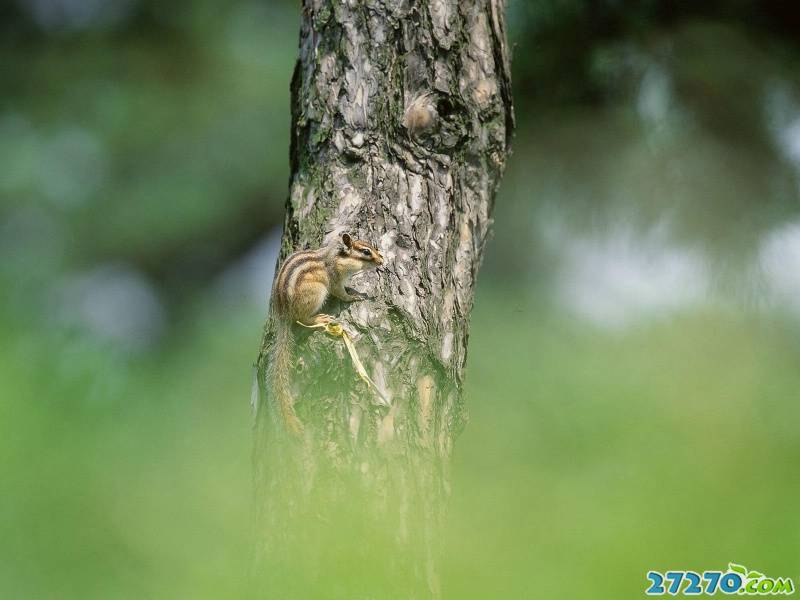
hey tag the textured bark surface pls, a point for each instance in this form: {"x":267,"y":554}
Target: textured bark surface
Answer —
{"x":401,"y":120}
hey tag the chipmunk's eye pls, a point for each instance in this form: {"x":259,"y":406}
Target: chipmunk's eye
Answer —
{"x":366,"y":252}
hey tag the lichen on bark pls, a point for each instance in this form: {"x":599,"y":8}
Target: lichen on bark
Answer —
{"x":401,"y":121}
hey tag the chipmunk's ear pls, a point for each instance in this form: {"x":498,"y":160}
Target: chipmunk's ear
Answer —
{"x":347,"y":240}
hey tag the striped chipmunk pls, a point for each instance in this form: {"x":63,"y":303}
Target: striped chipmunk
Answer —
{"x":303,"y":284}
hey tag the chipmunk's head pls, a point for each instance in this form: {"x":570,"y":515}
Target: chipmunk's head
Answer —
{"x":359,"y":255}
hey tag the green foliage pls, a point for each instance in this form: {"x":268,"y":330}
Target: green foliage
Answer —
{"x":144,"y":145}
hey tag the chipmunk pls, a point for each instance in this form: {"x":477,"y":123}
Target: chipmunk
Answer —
{"x":304,"y":282}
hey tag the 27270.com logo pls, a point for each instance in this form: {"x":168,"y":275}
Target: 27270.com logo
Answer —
{"x":736,"y":580}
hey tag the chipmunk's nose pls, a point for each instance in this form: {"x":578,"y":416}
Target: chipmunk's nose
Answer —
{"x":378,"y":258}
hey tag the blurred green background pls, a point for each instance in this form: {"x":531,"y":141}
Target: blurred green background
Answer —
{"x":633,"y":375}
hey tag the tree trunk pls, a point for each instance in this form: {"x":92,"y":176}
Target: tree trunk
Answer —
{"x":401,"y":121}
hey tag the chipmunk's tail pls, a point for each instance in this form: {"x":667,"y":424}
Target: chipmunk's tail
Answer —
{"x":282,"y":355}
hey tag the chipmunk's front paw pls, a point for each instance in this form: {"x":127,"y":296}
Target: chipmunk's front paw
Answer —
{"x":355,"y":294}
{"x":325,"y":322}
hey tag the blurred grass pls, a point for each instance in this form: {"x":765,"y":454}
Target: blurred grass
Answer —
{"x":139,"y":489}
{"x":590,"y":457}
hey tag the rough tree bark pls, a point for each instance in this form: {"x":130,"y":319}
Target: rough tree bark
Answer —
{"x":401,"y":121}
